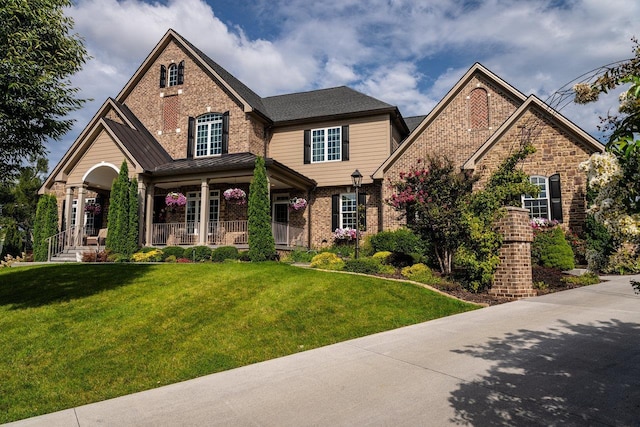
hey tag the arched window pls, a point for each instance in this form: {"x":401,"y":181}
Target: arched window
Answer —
{"x":173,"y":75}
{"x":478,"y":109}
{"x":209,"y":135}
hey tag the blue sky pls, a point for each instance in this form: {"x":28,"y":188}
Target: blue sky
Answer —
{"x":406,"y":53}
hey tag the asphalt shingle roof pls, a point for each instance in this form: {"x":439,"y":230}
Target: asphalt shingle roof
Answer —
{"x":413,"y":122}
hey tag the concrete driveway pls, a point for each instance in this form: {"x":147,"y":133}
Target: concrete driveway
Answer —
{"x":570,"y":358}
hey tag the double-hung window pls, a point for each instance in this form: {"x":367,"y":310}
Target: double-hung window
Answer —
{"x":538,"y":206}
{"x":348,"y":210}
{"x":192,"y":212}
{"x":326,"y":144}
{"x":209,"y":135}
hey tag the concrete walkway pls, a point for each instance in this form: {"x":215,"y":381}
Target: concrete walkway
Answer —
{"x":570,"y":358}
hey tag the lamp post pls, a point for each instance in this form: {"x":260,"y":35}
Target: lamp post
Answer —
{"x":356,"y":179}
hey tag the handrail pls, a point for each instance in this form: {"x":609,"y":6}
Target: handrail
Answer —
{"x":58,"y":242}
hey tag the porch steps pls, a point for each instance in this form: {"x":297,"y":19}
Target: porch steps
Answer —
{"x":71,"y":255}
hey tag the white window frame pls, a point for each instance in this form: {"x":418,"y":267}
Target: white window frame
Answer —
{"x":322,"y":148}
{"x":209,"y":135}
{"x":194,"y":206}
{"x":534,"y":204}
{"x":172,"y":75}
{"x":89,"y":218}
{"x":348,"y":201}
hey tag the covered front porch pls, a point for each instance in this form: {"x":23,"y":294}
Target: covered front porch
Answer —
{"x":206,"y":202}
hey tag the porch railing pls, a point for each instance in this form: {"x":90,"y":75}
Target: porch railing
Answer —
{"x":57,"y":243}
{"x":221,"y":233}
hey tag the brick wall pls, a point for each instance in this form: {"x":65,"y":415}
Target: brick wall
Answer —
{"x":513,"y":279}
{"x":160,"y":109}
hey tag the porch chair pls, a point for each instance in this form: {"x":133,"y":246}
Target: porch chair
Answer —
{"x":98,"y":240}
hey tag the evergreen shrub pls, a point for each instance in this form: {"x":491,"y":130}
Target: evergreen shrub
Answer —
{"x":327,"y":261}
{"x":223,"y":253}
{"x":363,"y":265}
{"x":551,"y":249}
{"x":176,"y":251}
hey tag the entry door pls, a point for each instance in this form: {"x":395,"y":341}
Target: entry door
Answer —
{"x":280,"y":217}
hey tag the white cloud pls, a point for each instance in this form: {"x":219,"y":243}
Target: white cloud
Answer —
{"x":372,"y":45}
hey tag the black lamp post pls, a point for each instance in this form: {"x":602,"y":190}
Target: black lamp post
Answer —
{"x":356,"y":179}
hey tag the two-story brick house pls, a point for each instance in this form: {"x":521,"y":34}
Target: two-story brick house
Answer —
{"x":184,"y":124}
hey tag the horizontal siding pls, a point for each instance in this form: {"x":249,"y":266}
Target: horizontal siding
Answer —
{"x":103,"y":149}
{"x":369,"y":147}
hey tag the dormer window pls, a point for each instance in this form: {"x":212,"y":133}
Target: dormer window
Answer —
{"x":175,"y":74}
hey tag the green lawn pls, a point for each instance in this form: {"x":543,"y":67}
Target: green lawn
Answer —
{"x":75,"y":334}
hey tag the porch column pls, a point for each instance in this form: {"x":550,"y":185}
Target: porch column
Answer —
{"x":142,"y":191}
{"x":82,"y":192}
{"x":68,"y":208}
{"x":148,"y":215}
{"x":204,"y":211}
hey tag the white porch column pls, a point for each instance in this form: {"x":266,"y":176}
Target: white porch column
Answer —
{"x":204,"y":211}
{"x":68,"y":208}
{"x":142,"y":212}
{"x":82,"y":192}
{"x":148,"y":215}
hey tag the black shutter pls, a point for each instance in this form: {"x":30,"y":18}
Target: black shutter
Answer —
{"x":335,"y":212}
{"x":163,"y":76}
{"x":556,"y":197}
{"x":190,"y":137}
{"x":307,"y":147}
{"x":362,"y":215}
{"x":225,"y":133}
{"x":345,"y":143}
{"x":181,"y":72}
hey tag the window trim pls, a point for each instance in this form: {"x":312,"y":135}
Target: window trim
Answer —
{"x":195,"y":197}
{"x":546,"y":198}
{"x":325,"y":144}
{"x":172,"y":75}
{"x":209,"y":151}
{"x":342,"y":211}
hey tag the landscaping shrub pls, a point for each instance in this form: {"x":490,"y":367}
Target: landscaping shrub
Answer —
{"x":343,"y":250}
{"x":383,"y":256}
{"x":153,"y":255}
{"x":420,"y":273}
{"x":327,"y":261}
{"x":578,"y":246}
{"x":401,"y":259}
{"x":363,"y":265}
{"x":223,"y":253}
{"x":170,"y":258}
{"x":244,"y":256}
{"x":198,"y":253}
{"x":175,"y":251}
{"x":600,"y":244}
{"x":146,"y":249}
{"x":550,"y":249}
{"x":584,"y":280}
{"x":401,"y":240}
{"x":624,"y":261}
{"x":183,"y":260}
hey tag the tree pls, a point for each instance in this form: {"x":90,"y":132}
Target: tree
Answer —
{"x":432,"y":196}
{"x":19,"y":198}
{"x":37,"y":56}
{"x":261,"y":242}
{"x":13,"y":244}
{"x":122,"y":238}
{"x":615,"y":175}
{"x":45,"y":226}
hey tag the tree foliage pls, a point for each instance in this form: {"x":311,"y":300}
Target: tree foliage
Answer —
{"x":122,"y":237}
{"x":37,"y":56}
{"x":433,"y":197}
{"x":261,"y":242}
{"x":46,"y":225}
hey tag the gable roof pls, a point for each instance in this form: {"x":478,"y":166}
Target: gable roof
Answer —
{"x":250,"y":101}
{"x":534,"y":102}
{"x":476,"y":69}
{"x":413,"y":122}
{"x":324,"y":103}
{"x":146,"y":151}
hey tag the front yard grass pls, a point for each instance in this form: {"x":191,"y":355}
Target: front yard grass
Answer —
{"x":75,"y":334}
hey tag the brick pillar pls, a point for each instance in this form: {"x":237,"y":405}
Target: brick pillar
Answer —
{"x":513,"y":278}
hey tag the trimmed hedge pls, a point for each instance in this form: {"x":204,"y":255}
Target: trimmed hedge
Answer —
{"x":223,"y":253}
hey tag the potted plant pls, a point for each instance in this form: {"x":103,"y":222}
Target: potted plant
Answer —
{"x":297,"y":204}
{"x":235,"y":195}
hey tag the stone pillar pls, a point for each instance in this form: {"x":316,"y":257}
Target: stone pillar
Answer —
{"x":513,"y":278}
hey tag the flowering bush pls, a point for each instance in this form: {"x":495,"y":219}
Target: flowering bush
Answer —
{"x":344,"y":234}
{"x":297,"y":203}
{"x":94,"y":208}
{"x":538,"y":223}
{"x":235,"y":195}
{"x":175,"y":199}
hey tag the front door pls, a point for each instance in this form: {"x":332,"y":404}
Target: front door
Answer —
{"x":280,"y":217}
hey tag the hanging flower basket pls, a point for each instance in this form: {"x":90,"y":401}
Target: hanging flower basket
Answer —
{"x":235,"y":195}
{"x":93,"y":208}
{"x":297,"y":204}
{"x":175,"y":199}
